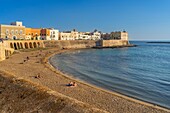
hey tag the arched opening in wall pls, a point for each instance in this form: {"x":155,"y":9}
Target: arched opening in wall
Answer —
{"x":30,"y":44}
{"x":26,"y":45}
{"x":21,"y":45}
{"x":38,"y":44}
{"x":15,"y":46}
{"x":14,"y":37}
{"x":11,"y":45}
{"x":5,"y":52}
{"x":6,"y":37}
{"x":35,"y":45}
{"x":18,"y":46}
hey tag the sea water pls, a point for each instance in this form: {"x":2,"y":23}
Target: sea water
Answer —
{"x":141,"y":72}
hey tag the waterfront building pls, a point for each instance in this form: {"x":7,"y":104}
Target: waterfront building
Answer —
{"x":105,"y":36}
{"x":96,"y":35}
{"x":14,"y":31}
{"x":32,"y":34}
{"x":84,"y":37}
{"x":54,"y":34}
{"x":120,"y":35}
{"x":69,"y":35}
{"x":74,"y":34}
{"x":45,"y":34}
{"x":65,"y":36}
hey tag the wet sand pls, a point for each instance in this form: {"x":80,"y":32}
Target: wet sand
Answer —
{"x":38,"y":64}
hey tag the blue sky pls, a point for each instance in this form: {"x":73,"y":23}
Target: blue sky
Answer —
{"x":143,"y":19}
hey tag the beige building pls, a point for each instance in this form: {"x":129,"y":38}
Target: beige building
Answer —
{"x":69,"y":35}
{"x":120,"y":35}
{"x":65,"y":36}
{"x":14,"y":31}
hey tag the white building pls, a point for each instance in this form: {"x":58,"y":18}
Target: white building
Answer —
{"x":54,"y":34}
{"x":95,"y":35}
{"x":17,"y":23}
{"x":84,"y":37}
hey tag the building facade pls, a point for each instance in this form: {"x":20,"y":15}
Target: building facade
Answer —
{"x":54,"y":34}
{"x":65,"y":36}
{"x":69,"y":35}
{"x":120,"y":35}
{"x":95,"y":35}
{"x":14,"y":31}
{"x":45,"y":34}
{"x":32,"y":34}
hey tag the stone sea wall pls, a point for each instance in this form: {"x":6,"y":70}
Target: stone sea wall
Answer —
{"x":85,"y":43}
{"x":70,"y":44}
{"x":7,"y":47}
{"x":112,"y":43}
{"x":2,"y":51}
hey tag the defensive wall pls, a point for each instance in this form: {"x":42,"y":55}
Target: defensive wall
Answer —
{"x":24,"y":44}
{"x":2,"y":51}
{"x":9,"y":46}
{"x":70,"y":44}
{"x":113,"y":43}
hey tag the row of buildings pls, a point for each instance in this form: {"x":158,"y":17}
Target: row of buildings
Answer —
{"x":16,"y":31}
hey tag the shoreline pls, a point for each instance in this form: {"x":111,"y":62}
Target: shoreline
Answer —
{"x":84,"y":92}
{"x":67,"y":75}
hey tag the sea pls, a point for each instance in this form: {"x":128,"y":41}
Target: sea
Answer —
{"x":141,"y":72}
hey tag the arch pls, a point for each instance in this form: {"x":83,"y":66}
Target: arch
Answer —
{"x":5,"y":52}
{"x":15,"y":46}
{"x":6,"y":37}
{"x":14,"y":37}
{"x":26,"y":45}
{"x":21,"y":45}
{"x":38,"y":43}
{"x":18,"y":46}
{"x":35,"y":45}
{"x":30,"y":44}
{"x":11,"y":45}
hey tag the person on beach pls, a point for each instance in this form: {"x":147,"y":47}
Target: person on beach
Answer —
{"x":72,"y":84}
{"x":28,"y":58}
{"x":38,"y":76}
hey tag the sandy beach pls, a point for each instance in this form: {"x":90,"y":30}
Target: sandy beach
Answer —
{"x":38,"y":64}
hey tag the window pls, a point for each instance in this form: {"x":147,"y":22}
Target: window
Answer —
{"x":16,"y":31}
{"x":7,"y":31}
{"x":20,"y":31}
{"x":12,"y":32}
